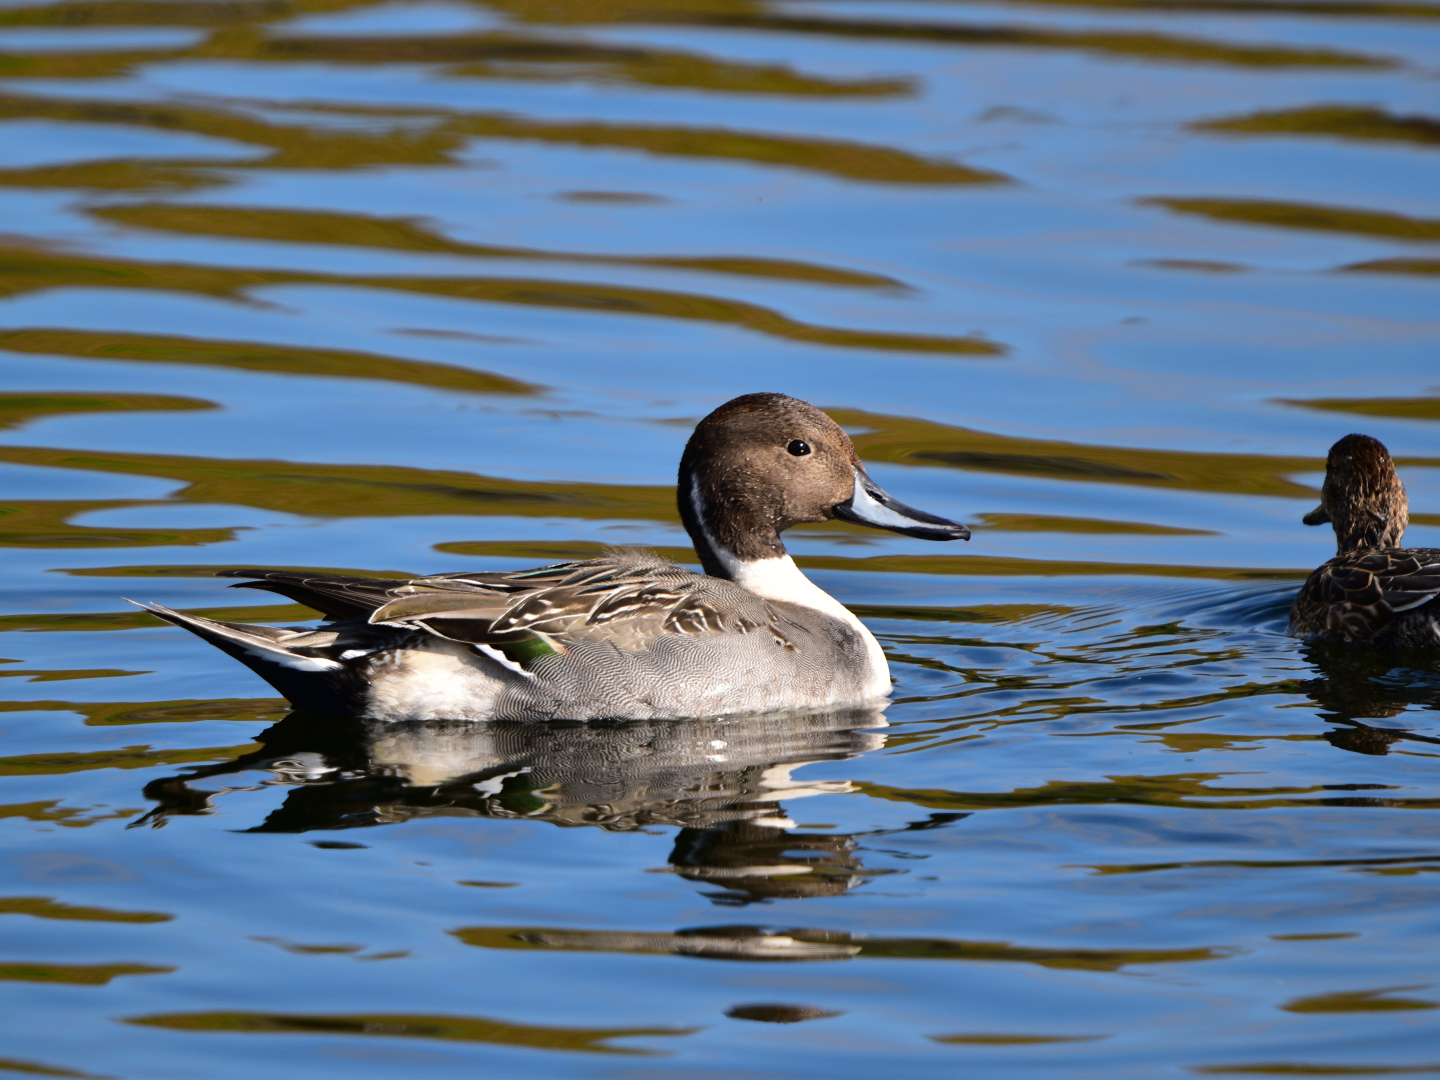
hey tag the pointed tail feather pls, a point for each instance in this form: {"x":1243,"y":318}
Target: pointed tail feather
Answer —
{"x":307,"y":682}
{"x":337,"y":596}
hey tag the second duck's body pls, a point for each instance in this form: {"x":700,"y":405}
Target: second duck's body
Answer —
{"x":626,"y":636}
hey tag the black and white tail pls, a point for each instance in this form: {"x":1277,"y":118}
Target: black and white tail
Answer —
{"x":310,"y":682}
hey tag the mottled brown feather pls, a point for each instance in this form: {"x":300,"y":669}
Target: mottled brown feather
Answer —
{"x":1373,"y":591}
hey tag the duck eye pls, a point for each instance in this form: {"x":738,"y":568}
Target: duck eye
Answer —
{"x":798,"y":447}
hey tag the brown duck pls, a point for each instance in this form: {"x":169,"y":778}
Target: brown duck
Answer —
{"x":1374,"y":590}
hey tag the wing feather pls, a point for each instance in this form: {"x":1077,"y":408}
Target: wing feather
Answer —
{"x":1361,"y":594}
{"x":629,"y":596}
{"x":336,"y":596}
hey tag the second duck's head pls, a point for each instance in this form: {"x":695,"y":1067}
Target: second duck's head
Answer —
{"x":764,"y":462}
{"x":1362,"y":497}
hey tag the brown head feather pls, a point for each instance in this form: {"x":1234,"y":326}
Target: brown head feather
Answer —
{"x":1363,"y":496}
{"x":738,"y":463}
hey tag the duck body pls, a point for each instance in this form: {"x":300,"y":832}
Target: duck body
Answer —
{"x":626,"y":636}
{"x":1385,"y":596}
{"x":1374,"y":591}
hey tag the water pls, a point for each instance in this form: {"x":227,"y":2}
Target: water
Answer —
{"x":425,"y":286}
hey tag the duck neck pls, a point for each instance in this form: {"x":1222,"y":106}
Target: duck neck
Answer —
{"x":729,"y":536}
{"x":1366,"y":530}
{"x":769,"y":572}
{"x":762,"y":566}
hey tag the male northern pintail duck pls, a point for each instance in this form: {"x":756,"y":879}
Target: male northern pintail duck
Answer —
{"x":1373,"y":590}
{"x":625,"y":636}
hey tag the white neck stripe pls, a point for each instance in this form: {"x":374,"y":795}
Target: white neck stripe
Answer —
{"x":726,"y":558}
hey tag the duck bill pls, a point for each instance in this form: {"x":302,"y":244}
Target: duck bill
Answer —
{"x":870,"y":505}
{"x":1318,"y":516}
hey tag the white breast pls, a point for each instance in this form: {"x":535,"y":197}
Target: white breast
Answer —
{"x":781,"y":579}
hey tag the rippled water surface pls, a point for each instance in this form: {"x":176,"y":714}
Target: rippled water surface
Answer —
{"x":435,"y":285}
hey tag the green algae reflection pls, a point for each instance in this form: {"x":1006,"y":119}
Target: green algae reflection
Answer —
{"x":1049,"y":523}
{"x":93,"y":621}
{"x":1308,"y":216}
{"x":50,"y":812}
{"x":513,"y":54}
{"x":387,"y":490}
{"x":322,"y":490}
{"x":1137,"y":44}
{"x":414,"y":1026}
{"x":35,"y":675}
{"x":217,"y":13}
{"x":1357,"y":122}
{"x":1416,"y":408}
{"x":499,"y":54}
{"x":35,"y":1068}
{"x":1429,"y":267}
{"x":312,"y":489}
{"x":406,"y":234}
{"x":1300,"y":1068}
{"x":126,"y":713}
{"x":608,"y":11}
{"x":1179,"y":790}
{"x":1361,"y":1001}
{"x":24,"y":270}
{"x":238,"y":355}
{"x":19,"y":409}
{"x":510,"y":55}
{"x":44,"y":907}
{"x":168,"y":12}
{"x":416,"y":137}
{"x":362,"y":490}
{"x":123,"y":757}
{"x":45,"y":523}
{"x":74,"y":974}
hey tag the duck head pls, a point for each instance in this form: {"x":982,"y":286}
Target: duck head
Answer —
{"x":1363,"y":497}
{"x":764,"y":462}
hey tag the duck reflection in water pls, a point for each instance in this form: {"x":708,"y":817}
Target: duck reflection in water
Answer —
{"x":1354,"y":686}
{"x":720,"y":781}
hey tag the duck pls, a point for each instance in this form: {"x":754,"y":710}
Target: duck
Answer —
{"x":625,"y":636}
{"x":1374,"y":591}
